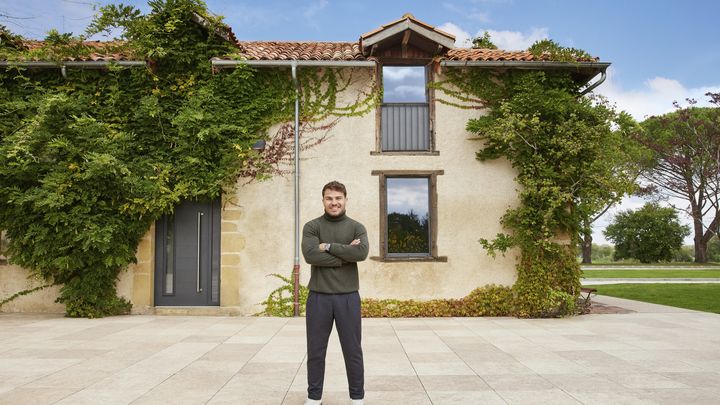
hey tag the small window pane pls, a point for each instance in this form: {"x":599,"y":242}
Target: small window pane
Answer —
{"x":170,"y":256}
{"x":404,"y":84}
{"x":408,"y":218}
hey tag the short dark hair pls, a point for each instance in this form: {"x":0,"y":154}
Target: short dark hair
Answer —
{"x":335,"y":186}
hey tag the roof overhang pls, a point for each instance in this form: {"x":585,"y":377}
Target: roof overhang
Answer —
{"x":528,"y":64}
{"x":225,"y":63}
{"x":77,"y":64}
{"x":583,"y":72}
{"x":404,"y":31}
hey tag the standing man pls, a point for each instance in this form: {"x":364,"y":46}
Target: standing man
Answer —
{"x":333,"y":244}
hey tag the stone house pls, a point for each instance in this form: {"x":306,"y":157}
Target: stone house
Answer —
{"x":411,"y":173}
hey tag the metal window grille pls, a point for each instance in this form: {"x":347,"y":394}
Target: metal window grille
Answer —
{"x":405,"y":127}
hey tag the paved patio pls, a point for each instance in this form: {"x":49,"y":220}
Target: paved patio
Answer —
{"x":657,"y":355}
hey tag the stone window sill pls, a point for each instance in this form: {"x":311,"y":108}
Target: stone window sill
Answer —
{"x":406,"y":153}
{"x":442,"y":259}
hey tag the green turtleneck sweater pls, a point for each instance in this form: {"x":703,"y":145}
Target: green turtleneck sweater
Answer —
{"x":334,"y":272}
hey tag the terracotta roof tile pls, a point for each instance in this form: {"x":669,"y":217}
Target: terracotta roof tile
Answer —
{"x":470,"y":54}
{"x":338,"y":51}
{"x":321,"y":51}
{"x":332,"y":51}
{"x":107,"y":51}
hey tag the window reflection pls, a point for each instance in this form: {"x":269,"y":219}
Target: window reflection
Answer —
{"x":408,"y":218}
{"x":169,"y":252}
{"x":404,"y":84}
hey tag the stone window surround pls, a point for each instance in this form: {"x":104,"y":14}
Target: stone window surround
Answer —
{"x":432,"y":176}
{"x":429,"y":78}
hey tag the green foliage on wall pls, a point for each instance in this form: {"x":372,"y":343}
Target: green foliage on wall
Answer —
{"x":280,"y":300}
{"x":490,"y":300}
{"x":558,"y":142}
{"x":88,"y":162}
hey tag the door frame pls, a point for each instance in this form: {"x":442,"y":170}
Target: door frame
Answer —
{"x":212,"y":278}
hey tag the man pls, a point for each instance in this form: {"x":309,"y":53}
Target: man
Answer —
{"x":333,"y":244}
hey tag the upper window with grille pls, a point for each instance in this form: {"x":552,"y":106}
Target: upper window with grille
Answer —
{"x":405,"y":112}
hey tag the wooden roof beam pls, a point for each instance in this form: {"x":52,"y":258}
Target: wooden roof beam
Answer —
{"x":405,"y":41}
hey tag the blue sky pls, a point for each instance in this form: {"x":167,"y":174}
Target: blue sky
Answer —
{"x":661,"y":50}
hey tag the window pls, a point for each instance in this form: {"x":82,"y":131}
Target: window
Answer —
{"x":405,"y":110}
{"x":404,"y":84}
{"x":408,"y":215}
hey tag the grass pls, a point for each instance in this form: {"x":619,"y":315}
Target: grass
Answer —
{"x":634,"y":263}
{"x":651,"y":273}
{"x":700,"y":297}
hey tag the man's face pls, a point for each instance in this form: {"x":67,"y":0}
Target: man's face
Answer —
{"x":334,"y":202}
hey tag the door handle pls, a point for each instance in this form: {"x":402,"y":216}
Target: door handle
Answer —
{"x":199,"y":234}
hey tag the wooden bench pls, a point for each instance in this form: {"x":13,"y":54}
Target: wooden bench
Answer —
{"x":585,"y":294}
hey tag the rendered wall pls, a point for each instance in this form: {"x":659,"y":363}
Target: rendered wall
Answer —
{"x":134,"y":283}
{"x":258,"y":236}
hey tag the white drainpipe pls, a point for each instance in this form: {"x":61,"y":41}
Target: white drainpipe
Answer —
{"x":293,"y":64}
{"x":296,"y":266}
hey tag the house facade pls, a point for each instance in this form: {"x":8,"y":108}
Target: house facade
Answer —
{"x":409,"y":168}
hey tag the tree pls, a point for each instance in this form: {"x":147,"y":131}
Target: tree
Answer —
{"x":616,"y":176}
{"x":483,"y":42}
{"x":558,"y":142}
{"x":650,"y":234}
{"x":714,"y":249}
{"x":685,"y":164}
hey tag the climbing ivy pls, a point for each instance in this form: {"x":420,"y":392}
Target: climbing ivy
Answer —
{"x":557,"y":141}
{"x":548,"y":49}
{"x":89,"y":161}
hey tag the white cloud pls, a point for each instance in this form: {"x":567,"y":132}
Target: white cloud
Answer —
{"x":407,"y":194}
{"x":314,"y":8}
{"x":515,"y":40}
{"x":462,"y":38}
{"x":655,"y":97}
{"x":409,"y":92}
{"x":35,"y":18}
{"x":471,"y":13}
{"x":394,"y":73}
{"x":506,"y":40}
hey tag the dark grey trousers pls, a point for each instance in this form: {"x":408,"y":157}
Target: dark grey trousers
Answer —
{"x":321,"y":310}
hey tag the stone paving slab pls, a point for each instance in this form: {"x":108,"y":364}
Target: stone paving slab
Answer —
{"x":654,"y":355}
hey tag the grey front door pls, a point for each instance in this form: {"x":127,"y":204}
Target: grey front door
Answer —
{"x":187,"y":255}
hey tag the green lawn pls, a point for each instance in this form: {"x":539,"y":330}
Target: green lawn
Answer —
{"x":701,"y":297}
{"x":651,"y":273}
{"x":631,"y":264}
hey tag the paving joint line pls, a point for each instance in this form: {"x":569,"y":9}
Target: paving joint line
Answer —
{"x":411,"y":363}
{"x":250,"y":359}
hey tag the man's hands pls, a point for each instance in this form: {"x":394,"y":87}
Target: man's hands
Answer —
{"x":323,"y":246}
